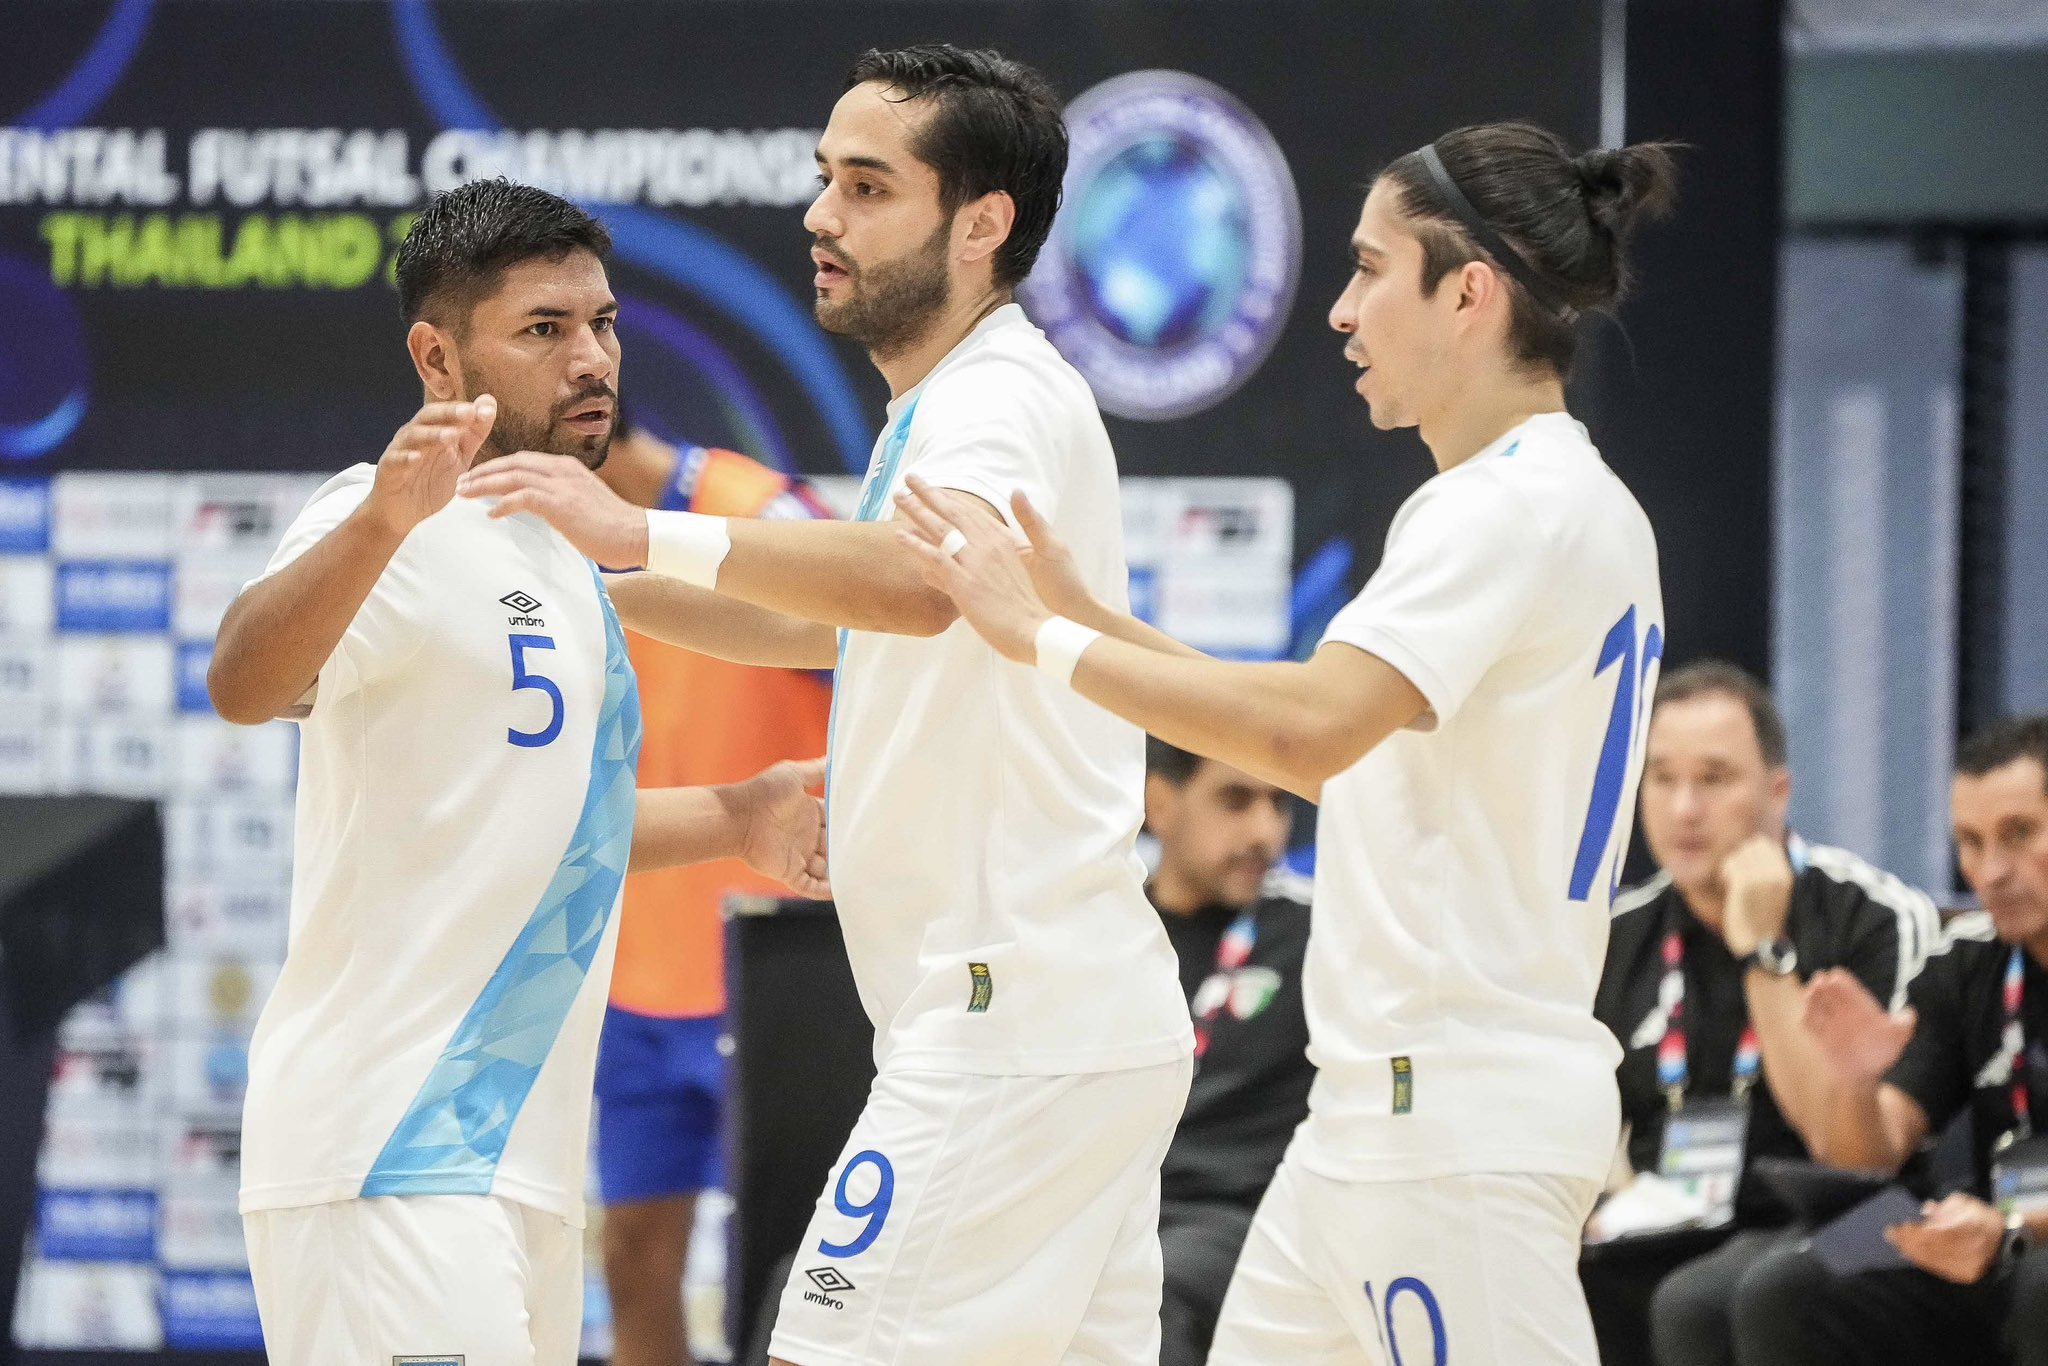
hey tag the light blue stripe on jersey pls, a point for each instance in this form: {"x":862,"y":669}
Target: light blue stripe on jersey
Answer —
{"x":881,"y":475}
{"x":453,"y":1136}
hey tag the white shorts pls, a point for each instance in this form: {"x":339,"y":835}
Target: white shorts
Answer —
{"x":1477,"y":1270}
{"x":1006,"y":1221}
{"x":469,"y":1279}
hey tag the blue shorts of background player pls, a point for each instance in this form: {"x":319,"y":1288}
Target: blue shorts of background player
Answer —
{"x":660,"y":1098}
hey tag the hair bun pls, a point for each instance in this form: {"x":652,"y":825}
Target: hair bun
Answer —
{"x":1622,"y":186}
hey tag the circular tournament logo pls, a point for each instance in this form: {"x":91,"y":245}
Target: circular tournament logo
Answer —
{"x":1170,"y":269}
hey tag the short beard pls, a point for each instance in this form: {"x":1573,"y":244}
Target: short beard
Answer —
{"x":896,"y":303}
{"x":512,"y":431}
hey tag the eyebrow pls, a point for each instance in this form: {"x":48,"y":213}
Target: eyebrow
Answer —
{"x":549,"y":311}
{"x":864,"y":163}
{"x":1361,"y":247}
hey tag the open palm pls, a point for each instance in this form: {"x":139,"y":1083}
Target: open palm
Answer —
{"x":416,"y":475}
{"x":1859,"y":1038}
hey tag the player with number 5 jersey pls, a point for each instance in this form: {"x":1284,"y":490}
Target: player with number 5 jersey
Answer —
{"x":1471,"y":726}
{"x":418,"y":1107}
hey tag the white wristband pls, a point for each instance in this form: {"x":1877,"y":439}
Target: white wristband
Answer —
{"x":1059,"y":644}
{"x":688,"y":546}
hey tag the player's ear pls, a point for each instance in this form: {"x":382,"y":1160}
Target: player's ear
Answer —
{"x":434,"y":358}
{"x":988,"y":222}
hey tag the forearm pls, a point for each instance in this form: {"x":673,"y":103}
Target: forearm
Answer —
{"x":1277,"y":721}
{"x":279,"y":634}
{"x":845,"y":574}
{"x":722,"y":627}
{"x":673,"y":826}
{"x":1792,"y":1064}
{"x":1125,"y":627}
{"x":1853,"y":1131}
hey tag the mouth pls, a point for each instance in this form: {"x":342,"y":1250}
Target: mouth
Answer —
{"x":830,"y":272}
{"x":591,"y":419}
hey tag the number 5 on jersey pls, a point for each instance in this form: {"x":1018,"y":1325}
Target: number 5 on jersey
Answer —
{"x":1610,"y":777}
{"x":522,"y":679}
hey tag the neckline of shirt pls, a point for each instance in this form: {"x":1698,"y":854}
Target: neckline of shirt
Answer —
{"x":1007,"y":315}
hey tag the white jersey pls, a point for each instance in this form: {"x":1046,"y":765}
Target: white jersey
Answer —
{"x":1466,"y":865}
{"x":465,"y":812}
{"x":983,"y":820}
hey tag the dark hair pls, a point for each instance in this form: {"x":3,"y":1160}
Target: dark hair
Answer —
{"x":469,"y":236}
{"x":1568,"y":217}
{"x":1166,"y":761}
{"x":995,"y":125}
{"x":1716,"y":677}
{"x":2002,"y":743}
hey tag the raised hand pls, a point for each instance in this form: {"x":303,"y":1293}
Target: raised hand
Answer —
{"x":983,"y":571}
{"x":1051,"y":565}
{"x":1857,"y":1037}
{"x":561,"y":490}
{"x":417,"y":474}
{"x":785,"y":831}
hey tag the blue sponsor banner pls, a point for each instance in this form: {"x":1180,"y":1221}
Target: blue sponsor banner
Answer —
{"x":193,"y":658}
{"x":211,"y":1309}
{"x":24,"y":516}
{"x":113,"y":595}
{"x":1145,"y":593}
{"x":96,"y":1225}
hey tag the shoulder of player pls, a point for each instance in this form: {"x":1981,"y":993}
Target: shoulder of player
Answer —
{"x":1012,"y":374}
{"x":351,"y":485}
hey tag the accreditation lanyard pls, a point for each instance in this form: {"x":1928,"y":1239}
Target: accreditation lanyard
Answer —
{"x":1233,"y":951}
{"x":2014,"y":1044}
{"x":1673,"y":1064}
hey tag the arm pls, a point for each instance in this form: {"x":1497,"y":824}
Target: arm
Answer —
{"x":1760,"y":879}
{"x":1863,"y":1121}
{"x":725,"y":628}
{"x":847,"y":574}
{"x":771,"y":821}
{"x":1292,"y":724}
{"x":281,"y":631}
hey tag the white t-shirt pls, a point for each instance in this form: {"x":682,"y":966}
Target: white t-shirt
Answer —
{"x":465,"y":812}
{"x":1465,"y":866}
{"x":983,"y":820}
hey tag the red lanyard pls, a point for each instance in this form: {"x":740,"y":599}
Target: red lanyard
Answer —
{"x":1232,"y":952}
{"x":1673,"y":1064}
{"x":2014,"y":1043}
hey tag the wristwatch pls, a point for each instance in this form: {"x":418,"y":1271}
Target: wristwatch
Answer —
{"x":1773,"y":957}
{"x":2017,"y":1241}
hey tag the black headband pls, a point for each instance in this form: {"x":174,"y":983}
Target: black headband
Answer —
{"x":1491,"y":242}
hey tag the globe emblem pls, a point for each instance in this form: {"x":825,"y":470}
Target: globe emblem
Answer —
{"x":1160,"y":243}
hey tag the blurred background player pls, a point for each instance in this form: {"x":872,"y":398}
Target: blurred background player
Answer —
{"x":1239,"y":926}
{"x":1470,"y":727}
{"x":660,"y":1068}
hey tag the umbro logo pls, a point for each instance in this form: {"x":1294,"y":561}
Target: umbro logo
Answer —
{"x":523,"y":605}
{"x":830,"y":1281}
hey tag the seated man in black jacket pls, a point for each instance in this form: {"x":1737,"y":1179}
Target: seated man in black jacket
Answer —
{"x":1702,"y":987}
{"x":1972,"y":1283}
{"x":1239,"y":927}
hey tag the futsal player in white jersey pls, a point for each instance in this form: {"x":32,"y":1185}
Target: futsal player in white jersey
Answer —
{"x":418,"y":1107}
{"x":1471,"y":726}
{"x":997,"y":1202}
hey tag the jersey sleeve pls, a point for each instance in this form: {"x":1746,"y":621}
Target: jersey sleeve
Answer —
{"x":1465,"y":565}
{"x":1935,"y":1068}
{"x":384,"y":632}
{"x":984,"y":431}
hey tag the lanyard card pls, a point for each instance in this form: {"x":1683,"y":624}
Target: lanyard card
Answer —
{"x":2019,"y":1176}
{"x":1703,"y":1153}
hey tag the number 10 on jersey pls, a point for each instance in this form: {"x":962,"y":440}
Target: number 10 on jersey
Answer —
{"x":1632,"y":682}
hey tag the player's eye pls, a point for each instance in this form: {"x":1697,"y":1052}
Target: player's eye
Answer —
{"x":823,"y":180}
{"x":605,"y":323}
{"x":542,"y":329}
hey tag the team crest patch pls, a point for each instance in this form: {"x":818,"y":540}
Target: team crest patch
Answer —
{"x":982,"y":989}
